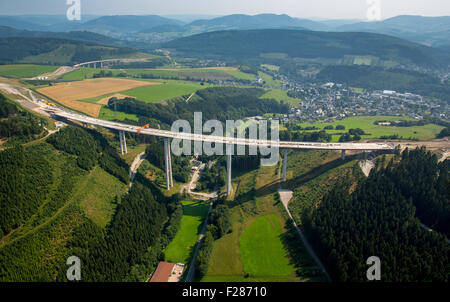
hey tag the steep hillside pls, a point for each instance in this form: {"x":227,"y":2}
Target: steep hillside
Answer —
{"x":69,"y":196}
{"x":284,"y":44}
{"x":55,"y":51}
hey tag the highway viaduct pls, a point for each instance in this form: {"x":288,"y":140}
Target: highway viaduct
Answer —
{"x":99,"y":63}
{"x":227,"y":141}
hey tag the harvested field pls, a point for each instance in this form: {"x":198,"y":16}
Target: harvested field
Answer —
{"x":89,"y":109}
{"x":68,"y":93}
{"x":105,"y":100}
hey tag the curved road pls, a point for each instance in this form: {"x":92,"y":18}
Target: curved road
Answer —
{"x":216,"y":139}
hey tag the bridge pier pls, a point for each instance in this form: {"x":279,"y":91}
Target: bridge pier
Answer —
{"x":343,"y":154}
{"x":285,"y":164}
{"x":123,"y":142}
{"x":228,"y":170}
{"x":170,"y":163}
{"x":167,"y":163}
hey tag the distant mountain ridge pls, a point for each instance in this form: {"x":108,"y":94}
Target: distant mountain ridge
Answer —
{"x":432,"y":31}
{"x":83,"y":36}
{"x":154,"y":29}
{"x":279,"y":43}
{"x":239,"y":21}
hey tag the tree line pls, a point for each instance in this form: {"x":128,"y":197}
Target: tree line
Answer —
{"x":219,"y":224}
{"x":219,"y":103}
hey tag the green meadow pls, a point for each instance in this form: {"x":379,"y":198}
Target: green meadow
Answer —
{"x":280,"y":95}
{"x":197,"y":73}
{"x":25,"y":70}
{"x":165,"y":91}
{"x":262,"y":252}
{"x":182,"y":246}
{"x":109,"y":115}
{"x":256,"y":249}
{"x":366,"y":123}
{"x":269,"y":79}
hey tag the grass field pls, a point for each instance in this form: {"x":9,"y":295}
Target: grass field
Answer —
{"x":280,"y":95}
{"x":366,"y":123}
{"x":184,"y":73}
{"x":241,"y":75}
{"x":25,"y":70}
{"x":109,"y":115}
{"x":103,"y":99}
{"x":271,"y":67}
{"x":181,"y":247}
{"x":235,"y":256}
{"x":262,"y":252}
{"x":69,"y":94}
{"x":171,"y":89}
{"x":81,"y":74}
{"x":269,"y":79}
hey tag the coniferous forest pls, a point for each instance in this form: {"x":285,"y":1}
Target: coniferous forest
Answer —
{"x":382,"y":217}
{"x":39,"y":209}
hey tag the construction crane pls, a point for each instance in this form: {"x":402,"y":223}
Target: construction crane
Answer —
{"x":146,"y":126}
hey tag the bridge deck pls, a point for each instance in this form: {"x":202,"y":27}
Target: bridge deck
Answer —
{"x":220,"y":139}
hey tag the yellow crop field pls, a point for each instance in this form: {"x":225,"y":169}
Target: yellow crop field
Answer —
{"x":119,"y":96}
{"x":68,"y":93}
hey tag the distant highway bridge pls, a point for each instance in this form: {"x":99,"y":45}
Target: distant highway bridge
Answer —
{"x":99,"y":63}
{"x":285,"y":145}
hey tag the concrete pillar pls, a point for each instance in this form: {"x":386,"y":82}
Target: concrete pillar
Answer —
{"x":166,"y":162}
{"x":285,"y":164}
{"x":121,"y":143}
{"x":343,"y":155}
{"x":124,"y":142}
{"x":228,"y":170}
{"x":170,"y":164}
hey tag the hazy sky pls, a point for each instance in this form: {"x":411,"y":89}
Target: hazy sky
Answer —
{"x":329,"y":9}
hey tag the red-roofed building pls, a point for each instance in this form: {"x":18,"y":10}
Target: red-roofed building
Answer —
{"x":168,"y":272}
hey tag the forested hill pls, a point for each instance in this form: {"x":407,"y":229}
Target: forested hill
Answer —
{"x":60,"y":198}
{"x":84,"y":36}
{"x":54,"y":51}
{"x":382,"y":216}
{"x":248,"y":44}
